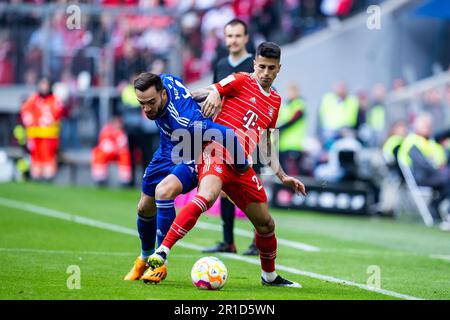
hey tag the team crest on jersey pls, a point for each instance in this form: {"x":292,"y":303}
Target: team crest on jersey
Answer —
{"x":218,"y":168}
{"x":270,"y":111}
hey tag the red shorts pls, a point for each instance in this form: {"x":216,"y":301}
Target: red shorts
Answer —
{"x":241,"y":188}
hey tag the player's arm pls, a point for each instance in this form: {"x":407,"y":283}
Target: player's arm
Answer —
{"x":212,"y":102}
{"x":213,"y":94}
{"x":270,"y":157}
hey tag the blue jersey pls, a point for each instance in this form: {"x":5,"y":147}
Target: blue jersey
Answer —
{"x":180,"y":112}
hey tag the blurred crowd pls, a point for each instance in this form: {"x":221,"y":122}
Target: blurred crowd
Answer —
{"x":34,"y":41}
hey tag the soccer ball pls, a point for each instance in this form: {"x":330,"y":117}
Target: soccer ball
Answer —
{"x":209,"y":273}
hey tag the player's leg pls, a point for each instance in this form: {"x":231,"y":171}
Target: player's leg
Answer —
{"x":183,"y":179}
{"x":247,"y":193}
{"x":227,"y":213}
{"x":208,"y":192}
{"x":266,"y":243}
{"x":165,"y":194}
{"x":146,"y":214}
{"x":257,"y":167}
{"x":146,"y":226}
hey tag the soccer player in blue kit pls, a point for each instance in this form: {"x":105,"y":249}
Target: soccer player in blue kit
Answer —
{"x":165,"y":100}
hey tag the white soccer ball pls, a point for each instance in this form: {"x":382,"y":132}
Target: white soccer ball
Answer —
{"x":209,"y":273}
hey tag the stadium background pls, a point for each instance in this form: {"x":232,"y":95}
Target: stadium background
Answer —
{"x":92,"y":64}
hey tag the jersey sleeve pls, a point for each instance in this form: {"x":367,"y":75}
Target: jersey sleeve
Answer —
{"x":231,"y":84}
{"x":273,"y":123}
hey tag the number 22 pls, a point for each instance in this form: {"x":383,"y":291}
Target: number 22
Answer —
{"x":256,"y":180}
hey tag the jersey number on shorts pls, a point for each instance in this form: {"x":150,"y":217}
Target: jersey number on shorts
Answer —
{"x":256,"y":180}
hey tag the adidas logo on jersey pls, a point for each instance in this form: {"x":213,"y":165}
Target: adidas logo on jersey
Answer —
{"x":253,"y":100}
{"x":218,"y":169}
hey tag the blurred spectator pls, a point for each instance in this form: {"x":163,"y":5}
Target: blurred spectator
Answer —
{"x":292,"y":126}
{"x":396,"y":135}
{"x":23,"y":163}
{"x":7,"y":75}
{"x":336,"y":8}
{"x":112,"y":147}
{"x":338,"y":110}
{"x":130,"y":62}
{"x":427,"y":159}
{"x":398,"y":84}
{"x":65,"y":90}
{"x":376,"y":116}
{"x":432,"y":104}
{"x":364,"y":105}
{"x":342,"y":159}
{"x":40,"y":115}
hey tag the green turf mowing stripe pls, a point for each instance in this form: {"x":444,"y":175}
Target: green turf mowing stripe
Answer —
{"x":248,"y":234}
{"x":116,"y":228}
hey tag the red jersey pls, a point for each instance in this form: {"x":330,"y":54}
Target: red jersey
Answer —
{"x":247,"y":108}
{"x":41,"y":116}
{"x":112,"y":139}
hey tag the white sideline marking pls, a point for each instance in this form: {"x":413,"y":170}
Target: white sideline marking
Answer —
{"x":112,"y":227}
{"x":440,"y":256}
{"x":96,"y":253}
{"x":249,"y":234}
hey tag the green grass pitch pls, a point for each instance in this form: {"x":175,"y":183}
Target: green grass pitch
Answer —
{"x":36,"y":251}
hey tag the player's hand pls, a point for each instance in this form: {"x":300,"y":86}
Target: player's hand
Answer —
{"x":212,"y":104}
{"x":248,"y":167}
{"x":295,"y":184}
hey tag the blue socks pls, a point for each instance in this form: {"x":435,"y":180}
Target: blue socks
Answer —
{"x":165,"y":213}
{"x":146,"y":229}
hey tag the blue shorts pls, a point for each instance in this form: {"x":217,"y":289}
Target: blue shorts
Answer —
{"x":160,"y":167}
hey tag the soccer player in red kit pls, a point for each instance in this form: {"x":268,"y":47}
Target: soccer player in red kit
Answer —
{"x":249,"y":106}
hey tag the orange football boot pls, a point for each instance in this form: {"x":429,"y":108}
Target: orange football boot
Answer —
{"x":155,"y":275}
{"x":139,"y":268}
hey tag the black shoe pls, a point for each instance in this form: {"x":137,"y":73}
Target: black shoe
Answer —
{"x":281,"y":282}
{"x":251,"y":251}
{"x":221,"y":247}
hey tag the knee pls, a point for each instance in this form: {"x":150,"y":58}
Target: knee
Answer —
{"x":210,"y":196}
{"x":145,"y":209}
{"x":165,"y":191}
{"x":267,"y":226}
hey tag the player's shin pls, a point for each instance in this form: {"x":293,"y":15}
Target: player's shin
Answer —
{"x":267,"y":246}
{"x":185,"y":220}
{"x":147,"y":233}
{"x":165,"y":213}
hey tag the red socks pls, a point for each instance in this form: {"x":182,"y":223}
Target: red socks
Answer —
{"x":267,"y":246}
{"x":185,"y":220}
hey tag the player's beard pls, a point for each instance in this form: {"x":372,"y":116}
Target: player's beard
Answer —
{"x":158,"y":113}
